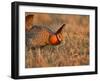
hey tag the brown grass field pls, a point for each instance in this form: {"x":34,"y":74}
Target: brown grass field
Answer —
{"x":73,"y":51}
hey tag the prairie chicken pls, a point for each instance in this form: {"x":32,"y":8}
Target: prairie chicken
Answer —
{"x":39,"y":36}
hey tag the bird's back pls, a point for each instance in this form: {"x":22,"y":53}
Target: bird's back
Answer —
{"x":37,"y":36}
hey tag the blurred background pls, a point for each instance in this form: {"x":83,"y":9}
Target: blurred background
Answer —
{"x":74,"y":51}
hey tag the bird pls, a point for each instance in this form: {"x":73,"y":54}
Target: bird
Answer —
{"x":40,"y":36}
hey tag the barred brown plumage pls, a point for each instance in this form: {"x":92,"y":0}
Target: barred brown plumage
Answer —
{"x":39,"y":36}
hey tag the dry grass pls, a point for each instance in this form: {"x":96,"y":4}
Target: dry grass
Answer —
{"x":73,"y":51}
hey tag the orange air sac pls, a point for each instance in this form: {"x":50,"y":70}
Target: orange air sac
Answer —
{"x":53,"y":40}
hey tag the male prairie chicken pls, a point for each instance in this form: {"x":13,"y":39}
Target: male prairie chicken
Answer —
{"x":39,"y":36}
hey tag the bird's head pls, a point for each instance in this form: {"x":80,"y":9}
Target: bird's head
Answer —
{"x":57,"y":38}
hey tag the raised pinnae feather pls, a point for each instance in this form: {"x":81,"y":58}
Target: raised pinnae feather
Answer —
{"x":60,"y":29}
